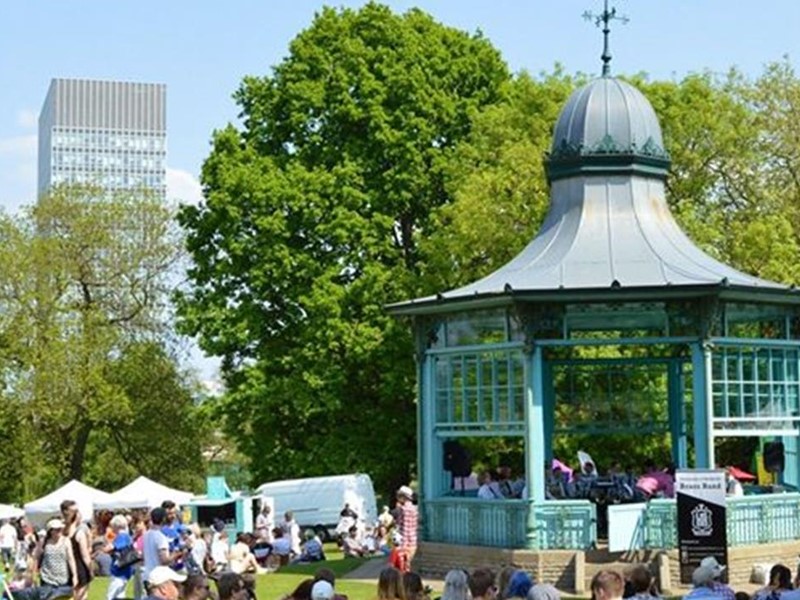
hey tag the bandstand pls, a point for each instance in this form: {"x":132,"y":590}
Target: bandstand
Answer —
{"x":610,"y":268}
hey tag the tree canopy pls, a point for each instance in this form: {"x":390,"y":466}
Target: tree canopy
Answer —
{"x":314,"y":211}
{"x":389,"y":156}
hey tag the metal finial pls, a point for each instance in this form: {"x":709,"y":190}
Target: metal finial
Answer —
{"x":605,"y":19}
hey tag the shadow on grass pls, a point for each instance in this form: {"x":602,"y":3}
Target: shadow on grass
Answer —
{"x":340,"y":566}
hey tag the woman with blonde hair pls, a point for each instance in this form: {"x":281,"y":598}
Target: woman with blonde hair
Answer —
{"x":390,"y":585}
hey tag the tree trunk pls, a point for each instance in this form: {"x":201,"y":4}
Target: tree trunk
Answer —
{"x":79,"y":449}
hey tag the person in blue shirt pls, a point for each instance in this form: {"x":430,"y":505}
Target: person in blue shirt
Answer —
{"x":120,"y":575}
{"x":172,"y":530}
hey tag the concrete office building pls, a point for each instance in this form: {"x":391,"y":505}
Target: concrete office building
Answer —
{"x":109,"y":133}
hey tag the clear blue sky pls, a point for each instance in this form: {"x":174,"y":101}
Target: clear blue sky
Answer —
{"x":201,"y":50}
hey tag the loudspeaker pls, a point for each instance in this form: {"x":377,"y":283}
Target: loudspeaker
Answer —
{"x":773,"y":457}
{"x":457,"y":459}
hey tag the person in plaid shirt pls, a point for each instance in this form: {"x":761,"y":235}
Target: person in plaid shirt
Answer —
{"x":407,"y":526}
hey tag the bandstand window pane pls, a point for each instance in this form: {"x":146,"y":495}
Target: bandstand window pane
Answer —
{"x":480,"y":327}
{"x":755,"y":389}
{"x":479,"y":391}
{"x":765,"y":321}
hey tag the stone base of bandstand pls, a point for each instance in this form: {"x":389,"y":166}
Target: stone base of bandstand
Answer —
{"x":572,"y":571}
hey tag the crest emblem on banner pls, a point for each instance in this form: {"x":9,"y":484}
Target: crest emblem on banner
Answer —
{"x":702,"y":523}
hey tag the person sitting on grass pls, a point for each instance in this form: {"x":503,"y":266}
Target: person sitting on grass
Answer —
{"x":351,"y":546}
{"x":415,"y":590}
{"x":240,"y":559}
{"x":281,"y":547}
{"x":312,"y":549}
{"x":231,"y":586}
{"x":196,"y":587}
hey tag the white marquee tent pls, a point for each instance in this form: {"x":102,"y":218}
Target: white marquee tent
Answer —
{"x":7,"y":511}
{"x":87,"y":498}
{"x":144,"y":493}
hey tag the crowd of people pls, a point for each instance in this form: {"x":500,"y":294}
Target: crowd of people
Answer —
{"x":156,"y":551}
{"x":167,"y":560}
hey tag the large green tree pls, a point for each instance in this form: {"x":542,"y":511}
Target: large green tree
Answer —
{"x":313,"y":213}
{"x":85,"y":281}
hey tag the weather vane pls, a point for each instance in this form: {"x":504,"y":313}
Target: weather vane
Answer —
{"x":605,"y":19}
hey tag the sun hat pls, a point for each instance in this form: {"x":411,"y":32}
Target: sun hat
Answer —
{"x":322,"y":590}
{"x":703,"y":575}
{"x":162,"y":574}
{"x":55,"y":524}
{"x":711,"y":563}
{"x":405,"y":491}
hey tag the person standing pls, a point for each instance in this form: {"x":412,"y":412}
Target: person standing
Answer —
{"x":78,"y":533}
{"x":407,"y":526}
{"x":292,"y":531}
{"x":120,"y":574}
{"x":155,"y":546}
{"x":8,"y":544}
{"x":53,"y":554}
{"x":265,"y":523}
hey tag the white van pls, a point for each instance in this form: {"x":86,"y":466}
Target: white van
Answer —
{"x":317,"y":501}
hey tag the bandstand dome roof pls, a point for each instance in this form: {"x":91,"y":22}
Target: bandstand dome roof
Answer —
{"x":609,"y":228}
{"x":603,"y":111}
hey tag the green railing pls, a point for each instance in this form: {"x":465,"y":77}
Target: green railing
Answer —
{"x":751,"y":520}
{"x":568,"y":525}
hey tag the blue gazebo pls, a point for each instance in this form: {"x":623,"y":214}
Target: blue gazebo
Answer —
{"x":610,"y":268}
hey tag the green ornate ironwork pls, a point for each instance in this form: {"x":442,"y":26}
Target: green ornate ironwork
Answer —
{"x":604,"y":20}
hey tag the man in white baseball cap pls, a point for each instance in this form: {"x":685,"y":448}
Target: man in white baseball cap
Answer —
{"x":163,"y":583}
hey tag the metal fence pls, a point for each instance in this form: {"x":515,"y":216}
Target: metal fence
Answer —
{"x":503,"y":524}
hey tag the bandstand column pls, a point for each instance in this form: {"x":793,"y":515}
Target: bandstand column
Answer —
{"x":677,"y":416}
{"x":534,"y":439}
{"x":702,"y":406}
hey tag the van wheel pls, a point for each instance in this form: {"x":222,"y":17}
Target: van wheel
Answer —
{"x":323,"y":534}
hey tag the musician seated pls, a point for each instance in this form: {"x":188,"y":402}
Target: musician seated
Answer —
{"x":586,"y":480}
{"x":655,"y":483}
{"x":558,"y":488}
{"x":489,"y":489}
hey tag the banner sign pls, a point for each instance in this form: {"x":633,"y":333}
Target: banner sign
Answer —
{"x":702,"y":530}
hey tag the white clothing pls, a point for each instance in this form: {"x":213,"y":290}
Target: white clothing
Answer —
{"x":152,"y":545}
{"x":292,"y":530}
{"x":264,"y":526}
{"x":8,"y":536}
{"x":735,"y":490}
{"x":116,"y":588}
{"x":282,"y":546}
{"x":199,"y":551}
{"x":489,"y":491}
{"x":386,"y":519}
{"x":219,"y":549}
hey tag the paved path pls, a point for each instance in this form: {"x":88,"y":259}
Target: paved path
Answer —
{"x":370,"y":570}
